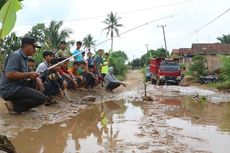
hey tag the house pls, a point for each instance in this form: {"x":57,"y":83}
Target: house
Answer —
{"x":210,"y":50}
{"x":185,"y":56}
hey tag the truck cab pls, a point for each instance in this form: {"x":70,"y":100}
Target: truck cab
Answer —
{"x":165,"y":71}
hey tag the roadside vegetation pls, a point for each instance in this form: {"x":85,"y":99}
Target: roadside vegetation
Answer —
{"x":198,"y":67}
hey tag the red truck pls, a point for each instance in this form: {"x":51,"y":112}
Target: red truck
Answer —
{"x":165,"y":71}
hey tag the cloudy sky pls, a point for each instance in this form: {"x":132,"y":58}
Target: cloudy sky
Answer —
{"x":182,"y":17}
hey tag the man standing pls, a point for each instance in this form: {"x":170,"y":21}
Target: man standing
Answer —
{"x":47,"y":56}
{"x":78,"y":53}
{"x":13,"y":84}
{"x":63,"y":52}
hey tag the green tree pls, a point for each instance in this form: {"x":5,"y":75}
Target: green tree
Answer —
{"x":112,"y":26}
{"x":117,"y":61}
{"x":54,"y":35}
{"x":225,"y":68}
{"x":159,"y":53}
{"x":10,"y":43}
{"x":145,"y":58}
{"x":224,"y":38}
{"x":88,"y":41}
{"x":38,"y":33}
{"x":199,"y":66}
{"x":136,"y":63}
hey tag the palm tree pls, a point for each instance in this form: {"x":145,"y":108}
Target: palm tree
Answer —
{"x":224,"y":39}
{"x":88,"y":41}
{"x":112,"y":25}
{"x":54,"y":36}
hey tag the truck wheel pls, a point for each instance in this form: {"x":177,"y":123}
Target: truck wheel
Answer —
{"x":177,"y":83}
{"x":153,"y":81}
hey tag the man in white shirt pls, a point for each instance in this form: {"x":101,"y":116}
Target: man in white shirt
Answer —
{"x":47,"y":56}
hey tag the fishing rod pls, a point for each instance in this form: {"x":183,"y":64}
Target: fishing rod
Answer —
{"x":137,"y":27}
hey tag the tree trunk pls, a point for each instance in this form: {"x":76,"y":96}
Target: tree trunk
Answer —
{"x":111,"y":41}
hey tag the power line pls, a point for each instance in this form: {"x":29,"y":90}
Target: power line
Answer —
{"x":189,"y":35}
{"x":102,"y":16}
{"x":137,"y":27}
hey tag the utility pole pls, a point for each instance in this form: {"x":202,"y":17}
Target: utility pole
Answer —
{"x":147,"y":47}
{"x":163,"y":28}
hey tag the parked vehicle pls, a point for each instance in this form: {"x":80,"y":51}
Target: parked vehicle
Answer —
{"x":208,"y":79}
{"x":165,"y":71}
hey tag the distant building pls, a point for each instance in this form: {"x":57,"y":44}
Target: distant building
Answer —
{"x":210,"y":50}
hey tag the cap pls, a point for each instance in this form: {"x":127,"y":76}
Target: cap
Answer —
{"x":29,"y":40}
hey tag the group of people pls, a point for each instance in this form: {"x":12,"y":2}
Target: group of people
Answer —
{"x":24,"y":86}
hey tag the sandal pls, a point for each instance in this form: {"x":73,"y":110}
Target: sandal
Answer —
{"x":11,"y":112}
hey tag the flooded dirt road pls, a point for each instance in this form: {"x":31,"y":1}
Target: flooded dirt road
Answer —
{"x":179,"y":119}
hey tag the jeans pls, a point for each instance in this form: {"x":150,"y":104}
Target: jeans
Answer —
{"x":26,"y":98}
{"x":112,"y":85}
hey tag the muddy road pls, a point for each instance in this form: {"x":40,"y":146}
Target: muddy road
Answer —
{"x":179,"y":119}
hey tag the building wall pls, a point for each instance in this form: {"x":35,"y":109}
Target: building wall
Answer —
{"x":214,"y":62}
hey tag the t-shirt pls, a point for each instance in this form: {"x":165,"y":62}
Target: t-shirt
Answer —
{"x":98,"y":60}
{"x":62,"y":53}
{"x":42,"y":67}
{"x":74,"y":72}
{"x":78,"y":56}
{"x":15,"y":62}
{"x":105,"y":69}
{"x":90,"y":61}
{"x":63,"y":71}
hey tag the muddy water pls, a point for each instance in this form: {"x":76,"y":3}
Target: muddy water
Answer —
{"x":103,"y":127}
{"x":204,"y":126}
{"x":168,"y":124}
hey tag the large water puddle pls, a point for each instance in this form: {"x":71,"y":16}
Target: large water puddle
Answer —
{"x":205,"y":126}
{"x":115,"y":127}
{"x":99,"y":128}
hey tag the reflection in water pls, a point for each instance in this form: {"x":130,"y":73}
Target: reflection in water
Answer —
{"x":70,"y":144}
{"x":225,"y":119}
{"x":97,"y":128}
{"x":202,"y":137}
{"x":201,"y":112}
{"x":203,"y":123}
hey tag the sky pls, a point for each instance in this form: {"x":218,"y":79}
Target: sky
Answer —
{"x":181,"y":17}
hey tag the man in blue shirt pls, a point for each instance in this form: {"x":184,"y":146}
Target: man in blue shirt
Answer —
{"x":15,"y":77}
{"x":78,"y":53}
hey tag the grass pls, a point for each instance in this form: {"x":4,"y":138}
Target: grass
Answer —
{"x":120,"y":77}
{"x":213,"y":85}
{"x":222,"y":86}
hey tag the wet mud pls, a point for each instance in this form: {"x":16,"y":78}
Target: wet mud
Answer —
{"x":179,"y":119}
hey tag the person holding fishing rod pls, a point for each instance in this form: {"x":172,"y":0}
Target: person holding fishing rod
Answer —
{"x":13,"y":84}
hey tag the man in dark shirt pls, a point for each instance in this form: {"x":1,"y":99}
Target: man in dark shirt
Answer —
{"x":15,"y":75}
